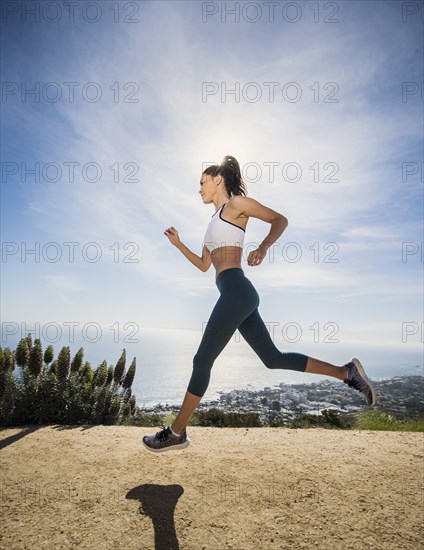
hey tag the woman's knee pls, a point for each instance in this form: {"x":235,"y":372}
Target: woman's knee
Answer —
{"x":274,"y":362}
{"x":201,"y":363}
{"x":200,"y":376}
{"x":286,"y":360}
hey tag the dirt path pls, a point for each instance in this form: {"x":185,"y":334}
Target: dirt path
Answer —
{"x":257,"y":488}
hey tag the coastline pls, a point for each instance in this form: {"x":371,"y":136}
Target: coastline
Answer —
{"x":400,"y":395}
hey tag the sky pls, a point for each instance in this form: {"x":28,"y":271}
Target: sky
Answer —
{"x":111,"y":111}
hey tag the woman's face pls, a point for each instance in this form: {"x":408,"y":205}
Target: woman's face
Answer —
{"x":208,"y":188}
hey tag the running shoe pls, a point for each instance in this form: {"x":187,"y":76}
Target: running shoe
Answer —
{"x":165,"y":440}
{"x":358,"y":380}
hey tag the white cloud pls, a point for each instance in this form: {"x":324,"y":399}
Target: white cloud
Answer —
{"x":68,"y":283}
{"x":171,"y":131}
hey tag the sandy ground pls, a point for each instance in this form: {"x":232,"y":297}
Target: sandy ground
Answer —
{"x":257,"y":488}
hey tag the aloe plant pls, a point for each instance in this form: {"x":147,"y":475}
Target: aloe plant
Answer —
{"x":66,"y":392}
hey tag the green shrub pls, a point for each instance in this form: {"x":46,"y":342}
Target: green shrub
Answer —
{"x":415,"y":425}
{"x":376,"y":419}
{"x":219,"y":419}
{"x":146,"y":420}
{"x":66,"y":393}
{"x":211,"y":417}
{"x":305,"y":421}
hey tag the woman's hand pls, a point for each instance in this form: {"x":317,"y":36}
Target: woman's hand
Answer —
{"x":172,"y":235}
{"x":256,"y":256}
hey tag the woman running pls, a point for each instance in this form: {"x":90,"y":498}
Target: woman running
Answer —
{"x":237,"y":306}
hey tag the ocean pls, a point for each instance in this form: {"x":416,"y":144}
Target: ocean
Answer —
{"x":164,"y":362}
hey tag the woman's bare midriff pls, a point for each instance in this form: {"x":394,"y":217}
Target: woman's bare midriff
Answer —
{"x":226,"y":257}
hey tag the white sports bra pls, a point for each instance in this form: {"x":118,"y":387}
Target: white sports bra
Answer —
{"x":221,"y":232}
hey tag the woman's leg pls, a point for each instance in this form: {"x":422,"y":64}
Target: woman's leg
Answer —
{"x":256,"y":334}
{"x":253,"y":329}
{"x":218,"y":332}
{"x":187,"y":409}
{"x":232,"y":307}
{"x":316,"y":366}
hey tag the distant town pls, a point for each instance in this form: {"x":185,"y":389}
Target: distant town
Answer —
{"x":402,"y":396}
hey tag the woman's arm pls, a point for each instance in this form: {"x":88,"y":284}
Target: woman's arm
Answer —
{"x":203,"y":262}
{"x":251,"y":208}
{"x":278,"y":226}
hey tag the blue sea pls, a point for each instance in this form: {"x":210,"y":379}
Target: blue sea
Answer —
{"x":164,"y":362}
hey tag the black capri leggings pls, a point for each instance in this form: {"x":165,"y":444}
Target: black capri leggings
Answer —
{"x":237,"y":308}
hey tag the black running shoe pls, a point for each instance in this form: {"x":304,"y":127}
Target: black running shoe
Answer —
{"x":165,"y":440}
{"x":358,"y":380}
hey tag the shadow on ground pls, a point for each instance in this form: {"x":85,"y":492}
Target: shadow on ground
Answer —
{"x":16,"y":437}
{"x":158,"y":502}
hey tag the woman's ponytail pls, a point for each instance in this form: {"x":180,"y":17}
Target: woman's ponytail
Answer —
{"x":229,"y":169}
